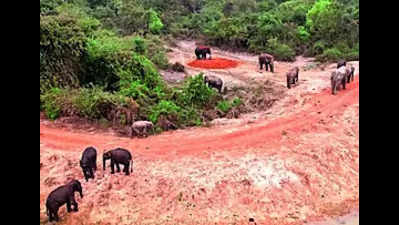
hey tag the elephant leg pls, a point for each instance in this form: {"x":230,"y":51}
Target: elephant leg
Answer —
{"x":267,"y":66}
{"x":332,"y":87}
{"x":75,"y":204}
{"x":112,"y":166}
{"x":261,"y":65}
{"x":68,"y":205}
{"x":344,"y":84}
{"x":288,"y":84}
{"x":91,"y":173}
{"x":56,"y":218}
{"x":118,"y":168}
{"x":85,"y":174}
{"x":272,"y":67}
{"x":126,"y":168}
{"x":50,"y":216}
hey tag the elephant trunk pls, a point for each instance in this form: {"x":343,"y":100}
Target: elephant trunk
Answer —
{"x":104,"y":163}
{"x":81,"y":194}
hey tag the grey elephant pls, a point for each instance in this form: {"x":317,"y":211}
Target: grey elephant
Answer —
{"x":60,"y":196}
{"x":266,"y":59}
{"x":350,"y":73}
{"x":292,"y":76}
{"x":338,"y":77}
{"x":119,"y":156}
{"x":214,"y":82}
{"x":141,"y":128}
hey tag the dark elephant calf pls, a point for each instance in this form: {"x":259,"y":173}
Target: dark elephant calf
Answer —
{"x":214,"y":82}
{"x":88,"y":163}
{"x":119,"y":156}
{"x":292,"y":76}
{"x":60,"y":196}
{"x":267,"y":60}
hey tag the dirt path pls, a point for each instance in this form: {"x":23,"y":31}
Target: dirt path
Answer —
{"x":294,"y":164}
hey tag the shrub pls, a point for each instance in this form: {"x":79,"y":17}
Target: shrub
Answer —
{"x":51,"y":103}
{"x":224,"y":106}
{"x":195,"y":92}
{"x":155,"y":24}
{"x":331,"y":54}
{"x":163,"y":108}
{"x":280,"y":51}
{"x":90,"y":103}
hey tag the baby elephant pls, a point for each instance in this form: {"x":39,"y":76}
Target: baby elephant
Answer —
{"x":119,"y":156}
{"x":60,"y":196}
{"x":266,"y":59}
{"x":140,"y":128}
{"x":292,"y":76}
{"x":338,"y":77}
{"x":214,"y":82}
{"x":88,"y":162}
{"x":350,"y":73}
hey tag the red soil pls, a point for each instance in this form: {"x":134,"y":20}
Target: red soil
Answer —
{"x":294,"y":168}
{"x":215,"y":63}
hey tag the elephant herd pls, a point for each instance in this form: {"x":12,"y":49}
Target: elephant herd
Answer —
{"x":65,"y":194}
{"x":341,"y":76}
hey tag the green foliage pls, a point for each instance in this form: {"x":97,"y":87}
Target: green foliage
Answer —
{"x":91,"y":103}
{"x":303,"y":34}
{"x":331,"y":54}
{"x":51,"y":104}
{"x":224,"y":106}
{"x":280,"y":51}
{"x":47,"y":6}
{"x":163,"y":108}
{"x":139,"y":45}
{"x":195,"y":92}
{"x":155,"y":24}
{"x":236,"y":102}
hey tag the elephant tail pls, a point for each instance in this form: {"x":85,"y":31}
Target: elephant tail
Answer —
{"x":131,"y":165}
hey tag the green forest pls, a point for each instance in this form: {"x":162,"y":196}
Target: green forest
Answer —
{"x":100,"y":59}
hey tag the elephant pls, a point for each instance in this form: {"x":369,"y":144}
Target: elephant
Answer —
{"x":338,"y":77}
{"x":119,"y":156}
{"x":89,"y":162}
{"x":140,"y":128}
{"x":341,"y":63}
{"x":292,"y":76}
{"x":350,"y":73}
{"x":214,"y":82}
{"x":266,"y":59}
{"x":201,"y":52}
{"x":60,"y":196}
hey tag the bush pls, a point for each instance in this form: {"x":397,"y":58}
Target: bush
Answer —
{"x":280,"y":51}
{"x":91,"y":103}
{"x":224,"y":106}
{"x":195,"y":92}
{"x":51,"y":103}
{"x":155,"y":24}
{"x":164,"y":108}
{"x":331,"y":54}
